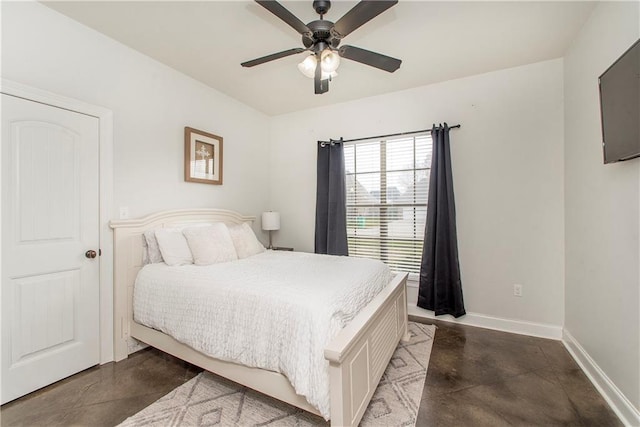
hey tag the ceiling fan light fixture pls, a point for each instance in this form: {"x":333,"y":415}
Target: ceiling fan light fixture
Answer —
{"x":329,"y":61}
{"x":308,"y":66}
{"x":308,"y":69}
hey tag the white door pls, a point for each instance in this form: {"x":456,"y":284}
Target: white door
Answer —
{"x":50,"y":284}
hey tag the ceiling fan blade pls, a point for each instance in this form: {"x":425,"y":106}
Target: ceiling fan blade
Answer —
{"x":320,"y":86}
{"x":361,"y":13}
{"x":367,"y":57}
{"x":281,"y":12}
{"x":272,"y":57}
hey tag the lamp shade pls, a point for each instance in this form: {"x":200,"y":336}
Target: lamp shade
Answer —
{"x":308,"y":66}
{"x":329,"y":61}
{"x":270,"y":221}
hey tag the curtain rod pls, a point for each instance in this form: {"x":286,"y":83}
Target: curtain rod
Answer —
{"x":381,"y":136}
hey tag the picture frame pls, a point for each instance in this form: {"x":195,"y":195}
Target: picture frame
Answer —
{"x":202,"y":157}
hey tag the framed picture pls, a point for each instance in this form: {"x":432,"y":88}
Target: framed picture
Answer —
{"x":202,"y":157}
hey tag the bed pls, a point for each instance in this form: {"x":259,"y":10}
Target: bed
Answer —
{"x":357,"y":355}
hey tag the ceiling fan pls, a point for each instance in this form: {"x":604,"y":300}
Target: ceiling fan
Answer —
{"x":322,"y":38}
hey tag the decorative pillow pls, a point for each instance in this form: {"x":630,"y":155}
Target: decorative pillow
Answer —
{"x":245,"y":240}
{"x":153,"y":253}
{"x":211,"y":244}
{"x":173,"y":246}
{"x":145,"y":251}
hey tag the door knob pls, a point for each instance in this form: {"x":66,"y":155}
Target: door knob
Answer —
{"x":90,"y":254}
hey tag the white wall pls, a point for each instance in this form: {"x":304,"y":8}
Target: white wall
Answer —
{"x":602,"y":215}
{"x":508,"y":178}
{"x":151,"y":104}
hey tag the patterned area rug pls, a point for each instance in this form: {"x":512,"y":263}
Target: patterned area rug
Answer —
{"x":210,"y":400}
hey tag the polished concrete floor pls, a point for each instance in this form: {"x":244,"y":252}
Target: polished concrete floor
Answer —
{"x":480,"y":377}
{"x":476,"y":377}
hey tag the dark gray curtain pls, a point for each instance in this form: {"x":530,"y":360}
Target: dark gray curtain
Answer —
{"x":440,"y":287}
{"x":331,"y":210}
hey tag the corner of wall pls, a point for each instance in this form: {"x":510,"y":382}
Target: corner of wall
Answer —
{"x":618,"y":402}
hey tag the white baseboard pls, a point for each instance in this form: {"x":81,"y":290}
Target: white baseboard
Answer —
{"x":514,"y":326}
{"x":522,"y":327}
{"x":624,"y":409}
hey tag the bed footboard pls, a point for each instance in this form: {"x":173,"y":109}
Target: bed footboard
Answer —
{"x":359,"y":355}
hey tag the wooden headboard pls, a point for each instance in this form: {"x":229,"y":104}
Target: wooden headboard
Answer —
{"x":127,"y":259}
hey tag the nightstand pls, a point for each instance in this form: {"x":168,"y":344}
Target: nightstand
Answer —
{"x":281,"y":248}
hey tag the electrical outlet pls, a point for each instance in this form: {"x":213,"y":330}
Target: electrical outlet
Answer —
{"x":517,"y":290}
{"x":124,"y":212}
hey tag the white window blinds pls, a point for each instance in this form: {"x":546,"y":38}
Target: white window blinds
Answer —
{"x":387,"y":187}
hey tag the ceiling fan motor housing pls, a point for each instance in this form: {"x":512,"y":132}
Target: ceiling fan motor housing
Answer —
{"x":321,"y":30}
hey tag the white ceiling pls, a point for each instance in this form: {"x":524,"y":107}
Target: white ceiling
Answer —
{"x":436,"y":41}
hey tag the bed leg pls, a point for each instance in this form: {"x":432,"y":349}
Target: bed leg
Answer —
{"x":406,"y":337}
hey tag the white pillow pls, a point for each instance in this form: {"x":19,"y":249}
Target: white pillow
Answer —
{"x":173,"y":246}
{"x":211,"y":244}
{"x":145,"y":251}
{"x":245,"y":241}
{"x":154,"y":255}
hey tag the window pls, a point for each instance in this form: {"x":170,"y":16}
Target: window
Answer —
{"x":387,"y":187}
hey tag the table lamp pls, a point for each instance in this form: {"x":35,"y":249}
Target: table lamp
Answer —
{"x":270,"y":222}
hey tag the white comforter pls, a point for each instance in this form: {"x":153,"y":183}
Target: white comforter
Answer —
{"x":275,"y":310}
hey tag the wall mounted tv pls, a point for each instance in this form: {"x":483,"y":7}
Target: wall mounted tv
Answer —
{"x":620,"y":107}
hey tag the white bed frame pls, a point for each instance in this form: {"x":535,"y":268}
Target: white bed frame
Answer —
{"x":357,"y":356}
